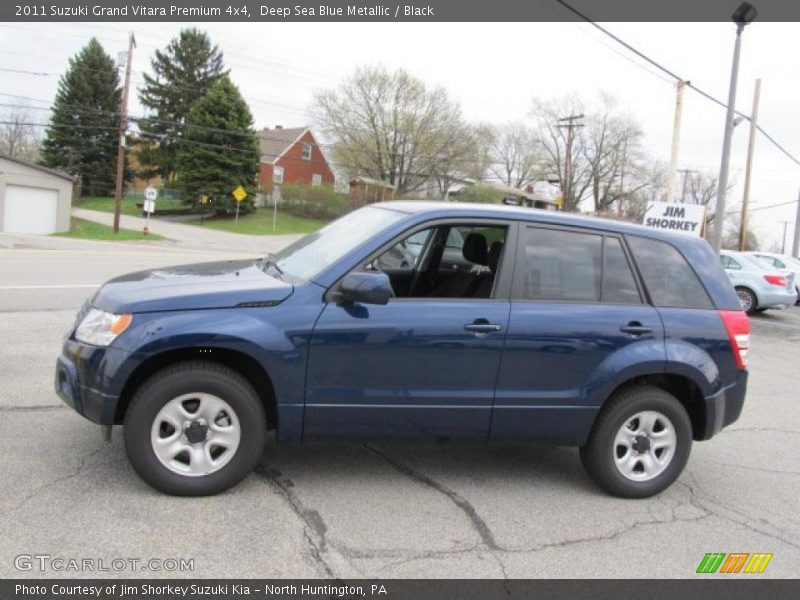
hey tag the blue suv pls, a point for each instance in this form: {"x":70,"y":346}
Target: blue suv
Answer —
{"x":420,"y":321}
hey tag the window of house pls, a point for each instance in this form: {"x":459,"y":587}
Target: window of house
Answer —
{"x":277,"y":174}
{"x":306,"y":151}
{"x":316,"y":179}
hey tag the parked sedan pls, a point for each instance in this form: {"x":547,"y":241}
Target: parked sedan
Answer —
{"x":784,"y":264}
{"x":758,"y":287}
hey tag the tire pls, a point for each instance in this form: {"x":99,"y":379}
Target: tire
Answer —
{"x":223,"y":443}
{"x":602,"y":452}
{"x":748,"y":300}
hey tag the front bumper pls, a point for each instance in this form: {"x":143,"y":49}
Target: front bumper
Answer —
{"x":86,"y":380}
{"x":724,"y":407}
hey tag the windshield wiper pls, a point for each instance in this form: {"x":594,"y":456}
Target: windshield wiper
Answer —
{"x":269,"y":261}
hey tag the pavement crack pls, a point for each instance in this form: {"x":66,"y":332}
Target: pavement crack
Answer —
{"x":762,"y":429}
{"x":314,"y":528}
{"x":478,"y":524}
{"x":41,"y":489}
{"x":46,"y":407}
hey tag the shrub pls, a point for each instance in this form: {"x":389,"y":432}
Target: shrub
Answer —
{"x":485,"y":194}
{"x":313,"y":201}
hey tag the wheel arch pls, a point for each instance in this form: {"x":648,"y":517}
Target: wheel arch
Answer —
{"x":236,"y":360}
{"x":752,"y":291}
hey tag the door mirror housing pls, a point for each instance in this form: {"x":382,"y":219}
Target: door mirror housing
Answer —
{"x":366,"y":288}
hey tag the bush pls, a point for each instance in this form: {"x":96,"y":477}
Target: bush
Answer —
{"x":313,"y":201}
{"x":485,"y":194}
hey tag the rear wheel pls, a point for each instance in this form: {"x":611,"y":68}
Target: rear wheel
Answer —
{"x":195,"y":429}
{"x":748,"y":300}
{"x":639,"y":444}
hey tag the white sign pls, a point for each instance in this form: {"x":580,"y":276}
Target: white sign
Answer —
{"x":149,"y":206}
{"x":150,"y":193}
{"x":684,"y":218}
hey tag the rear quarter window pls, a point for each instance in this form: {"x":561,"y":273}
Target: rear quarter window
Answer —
{"x":667,"y":275}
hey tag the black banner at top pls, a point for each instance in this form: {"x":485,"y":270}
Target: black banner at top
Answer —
{"x":390,"y":10}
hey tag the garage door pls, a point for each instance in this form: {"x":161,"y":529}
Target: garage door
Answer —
{"x":30,"y":210}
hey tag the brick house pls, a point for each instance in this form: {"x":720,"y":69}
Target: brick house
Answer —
{"x":292,"y":156}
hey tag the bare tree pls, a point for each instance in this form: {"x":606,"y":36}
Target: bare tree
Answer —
{"x":18,"y":137}
{"x":517,"y":160}
{"x":553,"y":143}
{"x":390,"y":126}
{"x":701,"y":188}
{"x":479,"y":162}
{"x":644,"y":184}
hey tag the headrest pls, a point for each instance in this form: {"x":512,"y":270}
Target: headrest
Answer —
{"x":475,"y":249}
{"x":495,"y":251}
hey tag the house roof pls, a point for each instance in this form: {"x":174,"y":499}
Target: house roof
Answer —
{"x":32,"y":165}
{"x":369,"y":181}
{"x":275,"y":142}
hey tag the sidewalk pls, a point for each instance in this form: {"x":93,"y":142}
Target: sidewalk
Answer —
{"x":192,"y":236}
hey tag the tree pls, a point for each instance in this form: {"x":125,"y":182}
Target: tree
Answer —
{"x":18,"y":136}
{"x":730,"y":241}
{"x":82,"y":135}
{"x":605,"y":147}
{"x":183,"y":72}
{"x":516,"y":156}
{"x":391,"y":126}
{"x":701,"y":188}
{"x":219,"y":149}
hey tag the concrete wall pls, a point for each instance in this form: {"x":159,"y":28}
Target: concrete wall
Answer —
{"x":14,"y":173}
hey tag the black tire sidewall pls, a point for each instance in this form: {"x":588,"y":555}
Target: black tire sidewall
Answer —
{"x":598,"y":455}
{"x":165,"y":386}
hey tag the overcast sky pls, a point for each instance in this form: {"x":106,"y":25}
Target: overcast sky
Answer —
{"x":493,"y":70}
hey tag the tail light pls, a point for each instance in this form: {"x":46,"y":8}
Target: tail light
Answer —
{"x":738,"y":327}
{"x":778,"y":280}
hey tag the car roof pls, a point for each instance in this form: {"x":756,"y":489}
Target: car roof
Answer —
{"x":501,"y":211}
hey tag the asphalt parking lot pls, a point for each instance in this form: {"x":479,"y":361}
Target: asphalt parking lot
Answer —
{"x":373,"y":511}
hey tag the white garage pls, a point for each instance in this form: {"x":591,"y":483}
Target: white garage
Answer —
{"x":33,"y":199}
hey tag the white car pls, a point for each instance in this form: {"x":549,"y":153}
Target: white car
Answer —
{"x":784,"y":264}
{"x":758,"y":286}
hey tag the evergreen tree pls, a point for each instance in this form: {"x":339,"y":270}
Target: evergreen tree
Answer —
{"x":183,"y":73}
{"x":82,"y":135}
{"x":219,"y":150}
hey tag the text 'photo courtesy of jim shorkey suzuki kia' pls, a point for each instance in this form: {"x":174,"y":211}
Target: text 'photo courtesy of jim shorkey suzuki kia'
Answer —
{"x":426,"y":322}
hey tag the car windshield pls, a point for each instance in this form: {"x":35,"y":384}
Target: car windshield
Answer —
{"x":309,"y":256}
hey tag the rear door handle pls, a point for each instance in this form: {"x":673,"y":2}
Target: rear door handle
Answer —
{"x":636,"y":328}
{"x":482,"y":326}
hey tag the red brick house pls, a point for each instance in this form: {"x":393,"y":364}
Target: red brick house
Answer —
{"x":292,"y":156}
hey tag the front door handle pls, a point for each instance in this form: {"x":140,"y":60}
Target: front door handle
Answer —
{"x":635,"y":328}
{"x":482,"y":327}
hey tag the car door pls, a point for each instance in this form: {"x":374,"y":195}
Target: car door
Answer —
{"x":417,"y":367}
{"x":576,"y":304}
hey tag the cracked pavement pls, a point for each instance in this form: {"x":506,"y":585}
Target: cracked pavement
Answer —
{"x":376,"y":510}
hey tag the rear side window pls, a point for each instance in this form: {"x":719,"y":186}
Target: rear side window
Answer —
{"x":668,"y":277}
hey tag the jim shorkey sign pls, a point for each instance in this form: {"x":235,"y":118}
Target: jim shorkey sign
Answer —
{"x":686,"y":218}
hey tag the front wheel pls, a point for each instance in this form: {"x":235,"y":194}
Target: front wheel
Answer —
{"x":195,"y":429}
{"x":639,"y":444}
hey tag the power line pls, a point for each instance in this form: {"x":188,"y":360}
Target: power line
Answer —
{"x":672,"y":74}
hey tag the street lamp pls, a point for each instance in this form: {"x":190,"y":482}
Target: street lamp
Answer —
{"x":742,"y":16}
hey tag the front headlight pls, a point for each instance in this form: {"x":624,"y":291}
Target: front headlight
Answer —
{"x":100,"y":328}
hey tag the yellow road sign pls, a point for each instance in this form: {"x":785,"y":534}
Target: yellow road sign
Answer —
{"x":239,"y":193}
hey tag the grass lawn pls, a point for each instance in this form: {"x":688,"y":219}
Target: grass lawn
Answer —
{"x":260,"y":223}
{"x":78,"y":228}
{"x":106,"y":204}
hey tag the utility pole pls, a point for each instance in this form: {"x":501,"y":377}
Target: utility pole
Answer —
{"x":796,"y":240}
{"x":783,"y":245}
{"x":569,"y":123}
{"x":676,"y":136}
{"x":685,"y":173}
{"x":123,"y":127}
{"x":749,"y":168}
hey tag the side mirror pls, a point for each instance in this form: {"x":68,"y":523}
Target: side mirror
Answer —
{"x":366,"y":287}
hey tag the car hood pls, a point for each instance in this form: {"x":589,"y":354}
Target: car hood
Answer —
{"x":223,"y":284}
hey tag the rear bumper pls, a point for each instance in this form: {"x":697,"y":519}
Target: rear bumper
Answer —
{"x":778,"y":298}
{"x":724,"y":407}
